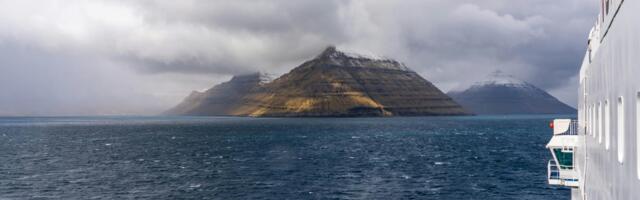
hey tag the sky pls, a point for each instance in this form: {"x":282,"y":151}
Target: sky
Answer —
{"x":124,"y":57}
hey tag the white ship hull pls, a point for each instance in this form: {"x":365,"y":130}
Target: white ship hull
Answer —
{"x":608,"y":159}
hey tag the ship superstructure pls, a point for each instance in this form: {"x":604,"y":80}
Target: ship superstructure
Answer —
{"x":603,"y":155}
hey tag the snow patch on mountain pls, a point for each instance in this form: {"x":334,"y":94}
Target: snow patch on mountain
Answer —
{"x":360,"y":54}
{"x":501,"y":78}
{"x":345,"y":58}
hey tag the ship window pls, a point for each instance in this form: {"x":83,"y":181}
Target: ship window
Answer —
{"x":596,"y":112}
{"x":593,"y":121}
{"x":590,"y":120}
{"x":587,"y":119}
{"x":594,"y":128}
{"x":565,"y":158}
{"x":600,"y":122}
{"x":638,"y":132}
{"x":584,"y":119}
{"x":607,"y":124}
{"x":620,"y":129}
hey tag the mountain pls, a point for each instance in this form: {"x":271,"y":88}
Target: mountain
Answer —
{"x":222,"y":99}
{"x":503,"y":94}
{"x":333,"y":84}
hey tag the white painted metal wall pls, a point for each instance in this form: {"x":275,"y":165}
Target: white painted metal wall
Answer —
{"x":614,"y":72}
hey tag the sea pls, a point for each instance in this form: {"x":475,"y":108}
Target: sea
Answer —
{"x":470,"y":157}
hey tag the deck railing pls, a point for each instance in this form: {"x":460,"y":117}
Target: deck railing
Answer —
{"x":573,"y":128}
{"x":553,"y":172}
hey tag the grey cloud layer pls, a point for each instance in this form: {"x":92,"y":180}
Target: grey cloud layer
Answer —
{"x":451,"y":43}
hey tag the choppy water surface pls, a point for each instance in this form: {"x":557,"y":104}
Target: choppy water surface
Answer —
{"x":245,"y":158}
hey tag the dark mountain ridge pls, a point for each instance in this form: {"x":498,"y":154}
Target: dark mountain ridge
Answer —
{"x":333,"y":84}
{"x":504,"y":94}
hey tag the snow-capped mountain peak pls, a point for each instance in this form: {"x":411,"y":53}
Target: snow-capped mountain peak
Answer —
{"x":501,"y":93}
{"x":333,"y":56}
{"x":503,"y":79}
{"x":334,"y":52}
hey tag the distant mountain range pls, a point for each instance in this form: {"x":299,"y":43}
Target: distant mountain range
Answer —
{"x":333,"y":84}
{"x":503,"y":94}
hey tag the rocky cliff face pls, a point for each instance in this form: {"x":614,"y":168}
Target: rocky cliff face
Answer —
{"x":338,"y":84}
{"x":503,"y":94}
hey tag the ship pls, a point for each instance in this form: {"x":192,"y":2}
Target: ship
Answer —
{"x":597,"y":155}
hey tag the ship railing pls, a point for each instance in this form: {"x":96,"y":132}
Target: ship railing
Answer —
{"x":573,"y":128}
{"x":553,"y":171}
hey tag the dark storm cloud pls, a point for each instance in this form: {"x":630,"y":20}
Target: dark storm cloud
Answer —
{"x":190,"y":44}
{"x":241,"y":36}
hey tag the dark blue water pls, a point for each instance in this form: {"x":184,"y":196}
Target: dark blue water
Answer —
{"x":246,"y":158}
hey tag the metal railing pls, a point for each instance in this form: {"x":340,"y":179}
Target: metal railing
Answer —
{"x":573,"y":128}
{"x":553,"y":172}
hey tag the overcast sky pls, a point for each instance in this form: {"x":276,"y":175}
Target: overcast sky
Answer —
{"x":96,"y":57}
